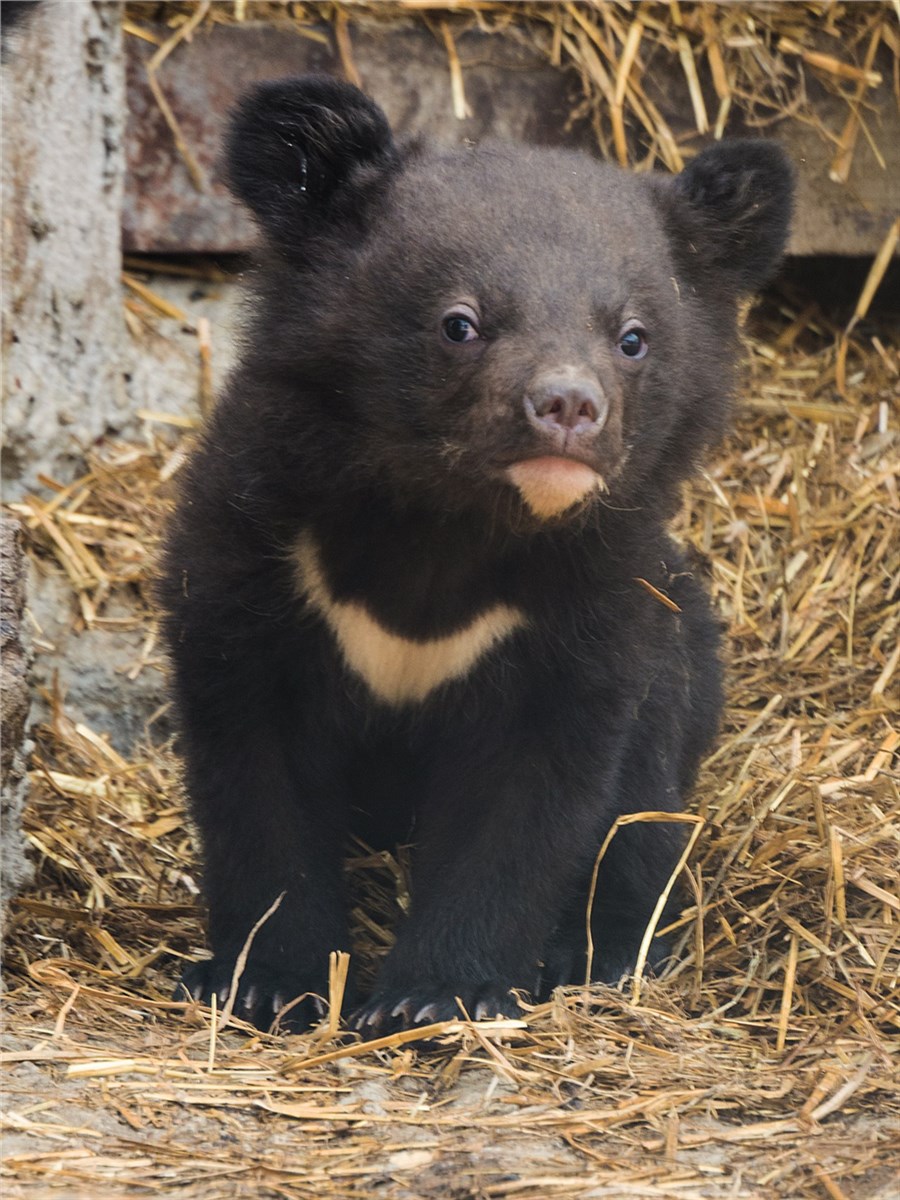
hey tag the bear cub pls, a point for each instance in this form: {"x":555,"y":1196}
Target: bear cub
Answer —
{"x":405,"y":580}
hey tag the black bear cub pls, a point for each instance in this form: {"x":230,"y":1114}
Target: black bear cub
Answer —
{"x":405,"y":582}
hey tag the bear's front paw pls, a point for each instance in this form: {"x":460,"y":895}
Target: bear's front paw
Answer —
{"x":616,"y":948}
{"x":617,"y":951}
{"x":264,"y":993}
{"x":393,"y":1009}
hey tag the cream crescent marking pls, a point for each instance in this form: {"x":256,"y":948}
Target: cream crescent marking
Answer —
{"x":396,"y":669}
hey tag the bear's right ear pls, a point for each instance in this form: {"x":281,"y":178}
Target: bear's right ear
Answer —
{"x":294,"y":145}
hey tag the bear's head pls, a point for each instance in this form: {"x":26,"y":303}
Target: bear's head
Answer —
{"x":521,"y":328}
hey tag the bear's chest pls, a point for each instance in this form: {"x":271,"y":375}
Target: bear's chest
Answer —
{"x":397,"y":669}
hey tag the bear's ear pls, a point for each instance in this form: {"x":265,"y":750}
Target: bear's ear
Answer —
{"x":739,"y":196}
{"x":295,"y":144}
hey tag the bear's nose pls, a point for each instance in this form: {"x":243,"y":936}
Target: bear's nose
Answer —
{"x":560,"y":404}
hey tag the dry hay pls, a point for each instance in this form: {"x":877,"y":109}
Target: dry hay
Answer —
{"x":765,"y":1064}
{"x":744,"y":65}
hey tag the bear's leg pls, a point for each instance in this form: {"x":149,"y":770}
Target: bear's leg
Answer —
{"x":500,"y":842}
{"x":264,"y":798}
{"x":674,"y":728}
{"x":633,"y":873}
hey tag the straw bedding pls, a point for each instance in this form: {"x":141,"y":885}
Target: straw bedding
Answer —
{"x":764,"y":1064}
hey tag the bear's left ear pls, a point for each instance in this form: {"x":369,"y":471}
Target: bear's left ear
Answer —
{"x":295,"y":148}
{"x":738,"y":199}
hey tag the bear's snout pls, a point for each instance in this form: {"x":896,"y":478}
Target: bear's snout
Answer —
{"x":567,"y":407}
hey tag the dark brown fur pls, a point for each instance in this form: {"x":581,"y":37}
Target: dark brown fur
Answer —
{"x":352,"y":419}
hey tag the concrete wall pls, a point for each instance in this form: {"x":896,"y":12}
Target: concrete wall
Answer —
{"x":61,"y":187}
{"x":15,"y":870}
{"x":63,"y":337}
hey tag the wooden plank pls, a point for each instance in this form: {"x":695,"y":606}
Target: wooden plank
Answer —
{"x":512,"y":93}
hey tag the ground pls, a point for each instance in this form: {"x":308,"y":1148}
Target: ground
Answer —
{"x":764,"y":1064}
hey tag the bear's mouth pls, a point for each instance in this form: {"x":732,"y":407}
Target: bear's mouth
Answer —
{"x":552,"y":484}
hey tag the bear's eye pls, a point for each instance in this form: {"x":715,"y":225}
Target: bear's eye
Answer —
{"x":633,"y":340}
{"x":460,"y":325}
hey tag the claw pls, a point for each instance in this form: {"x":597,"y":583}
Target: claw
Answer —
{"x":427,"y":1010}
{"x":399,"y":1010}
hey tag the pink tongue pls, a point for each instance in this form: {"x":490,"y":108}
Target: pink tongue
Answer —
{"x":551,"y":485}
